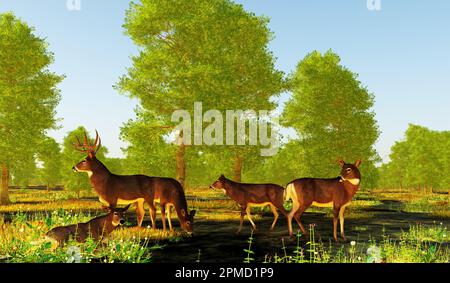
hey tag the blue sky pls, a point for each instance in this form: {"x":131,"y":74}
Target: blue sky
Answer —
{"x":401,"y":54}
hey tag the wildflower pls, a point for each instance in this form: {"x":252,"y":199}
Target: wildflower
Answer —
{"x":353,"y":243}
{"x":74,"y":254}
{"x":373,"y":254}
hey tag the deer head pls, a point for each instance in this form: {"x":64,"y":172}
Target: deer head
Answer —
{"x":350,"y":171}
{"x":116,"y":214}
{"x":187,"y":220}
{"x":219,"y":184}
{"x":87,"y":165}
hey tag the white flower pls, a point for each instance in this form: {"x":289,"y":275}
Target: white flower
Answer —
{"x":353,"y":243}
{"x":74,"y":254}
{"x":373,"y":254}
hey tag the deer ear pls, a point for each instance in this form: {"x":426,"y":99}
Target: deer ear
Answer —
{"x":106,"y":207}
{"x":341,"y":162}
{"x":358,"y":162}
{"x":125,"y":208}
{"x":192,"y":213}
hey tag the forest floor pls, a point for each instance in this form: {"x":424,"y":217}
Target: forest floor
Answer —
{"x":406,"y":226}
{"x":216,"y":241}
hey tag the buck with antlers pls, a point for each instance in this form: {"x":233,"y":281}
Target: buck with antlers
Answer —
{"x":336,"y":193}
{"x":116,"y":190}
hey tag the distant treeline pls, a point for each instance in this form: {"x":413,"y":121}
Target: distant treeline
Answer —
{"x":421,"y":160}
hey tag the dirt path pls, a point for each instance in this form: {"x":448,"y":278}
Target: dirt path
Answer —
{"x":218,"y":242}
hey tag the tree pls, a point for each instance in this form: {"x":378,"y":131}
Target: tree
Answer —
{"x":420,"y":160}
{"x":28,"y":95}
{"x":331,"y":113}
{"x":49,"y":154}
{"x":212,"y":52}
{"x":23,"y":171}
{"x":148,"y":152}
{"x":71,"y":157}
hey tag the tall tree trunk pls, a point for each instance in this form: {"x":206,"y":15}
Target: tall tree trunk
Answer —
{"x":237,"y":168}
{"x":4,"y":194}
{"x":180,"y":161}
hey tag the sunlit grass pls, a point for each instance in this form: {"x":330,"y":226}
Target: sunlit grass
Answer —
{"x":22,"y":240}
{"x":420,"y":244}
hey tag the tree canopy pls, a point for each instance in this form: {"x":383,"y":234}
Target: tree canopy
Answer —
{"x":212,"y":52}
{"x":28,"y":96}
{"x":422,"y":159}
{"x":332,"y":114}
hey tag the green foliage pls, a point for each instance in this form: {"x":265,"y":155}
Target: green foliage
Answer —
{"x":148,"y":152}
{"x":49,"y":154}
{"x":28,"y":93}
{"x":421,"y":244}
{"x":23,"y":241}
{"x":331,"y":113}
{"x":420,"y":160}
{"x":70,"y":157}
{"x":209,"y":51}
{"x":249,"y":251}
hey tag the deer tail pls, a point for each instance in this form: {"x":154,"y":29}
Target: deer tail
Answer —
{"x":289,"y":192}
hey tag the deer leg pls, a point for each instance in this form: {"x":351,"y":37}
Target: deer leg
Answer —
{"x":275,"y":215}
{"x":295,"y":206}
{"x":241,"y":221}
{"x":163,"y":215}
{"x":250,"y":218}
{"x":335,"y":220}
{"x":341,"y":222}
{"x":169,"y":214}
{"x":297,"y":216}
{"x":152,"y":210}
{"x":140,"y":212}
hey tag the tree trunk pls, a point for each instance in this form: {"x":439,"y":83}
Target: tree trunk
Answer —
{"x":237,"y":168}
{"x":180,"y":161}
{"x":4,"y":194}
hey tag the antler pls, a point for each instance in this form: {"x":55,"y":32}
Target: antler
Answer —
{"x":97,"y":139}
{"x":86,"y":147}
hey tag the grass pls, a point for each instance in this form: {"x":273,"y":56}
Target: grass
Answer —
{"x":413,"y":200}
{"x":420,"y":244}
{"x":33,"y":212}
{"x":23,"y":241}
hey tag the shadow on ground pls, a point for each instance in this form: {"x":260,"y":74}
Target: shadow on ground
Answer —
{"x":218,"y":243}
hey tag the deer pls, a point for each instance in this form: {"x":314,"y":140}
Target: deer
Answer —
{"x":116,"y":190}
{"x":251,"y":195}
{"x":98,"y":228}
{"x":336,"y":193}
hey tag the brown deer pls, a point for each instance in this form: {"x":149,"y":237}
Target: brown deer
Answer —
{"x":139,"y":189}
{"x":97,"y":228}
{"x":336,"y":193}
{"x":249,"y":195}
